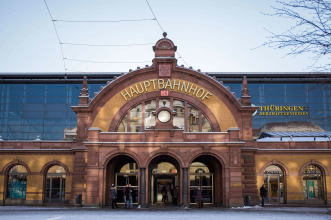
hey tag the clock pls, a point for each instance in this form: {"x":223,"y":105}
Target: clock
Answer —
{"x":164,"y":116}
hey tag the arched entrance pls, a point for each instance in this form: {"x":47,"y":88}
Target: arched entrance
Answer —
{"x":274,"y":179}
{"x":313,"y":186}
{"x":122,"y":170}
{"x":55,"y":184}
{"x":164,"y":178}
{"x":206,"y":173}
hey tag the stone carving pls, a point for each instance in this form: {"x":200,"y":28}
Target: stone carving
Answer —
{"x":164,"y":45}
{"x":164,"y":70}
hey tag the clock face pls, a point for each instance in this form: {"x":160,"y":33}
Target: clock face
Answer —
{"x":164,"y":116}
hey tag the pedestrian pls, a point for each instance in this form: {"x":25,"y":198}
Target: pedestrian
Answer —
{"x":124,"y":197}
{"x":164,"y":193}
{"x":128,"y":195}
{"x":175,"y":197}
{"x":198,"y":197}
{"x":113,"y":196}
{"x":263,"y":193}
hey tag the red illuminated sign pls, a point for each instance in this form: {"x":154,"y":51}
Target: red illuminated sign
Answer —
{"x":164,"y":92}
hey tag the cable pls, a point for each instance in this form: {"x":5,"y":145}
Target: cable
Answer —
{"x":147,"y":19}
{"x":154,"y":16}
{"x":90,"y":61}
{"x":57,"y":34}
{"x":181,"y":58}
{"x":162,"y":29}
{"x":106,"y":45}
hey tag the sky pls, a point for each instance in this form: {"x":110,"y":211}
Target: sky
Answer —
{"x":211,"y":35}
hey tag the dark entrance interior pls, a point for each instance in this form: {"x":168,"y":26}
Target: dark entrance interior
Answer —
{"x":121,"y":171}
{"x":206,"y":173}
{"x":164,"y":177}
{"x":55,"y":185}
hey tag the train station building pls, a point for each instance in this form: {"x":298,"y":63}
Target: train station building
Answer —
{"x":70,"y":136}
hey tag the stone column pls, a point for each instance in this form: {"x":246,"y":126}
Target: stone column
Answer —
{"x":185,"y":190}
{"x":143,"y":187}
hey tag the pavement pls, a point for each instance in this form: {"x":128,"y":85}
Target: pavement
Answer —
{"x":163,"y":213}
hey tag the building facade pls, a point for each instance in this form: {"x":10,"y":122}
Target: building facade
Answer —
{"x":164,"y":126}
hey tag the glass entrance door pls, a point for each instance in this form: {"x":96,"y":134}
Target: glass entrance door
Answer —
{"x":205,"y":182}
{"x":121,"y":181}
{"x":275,"y":185}
{"x":55,"y":188}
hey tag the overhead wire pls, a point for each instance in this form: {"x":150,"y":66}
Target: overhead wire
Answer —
{"x":154,"y":15}
{"x":146,"y":19}
{"x":162,"y":29}
{"x":99,"y":45}
{"x":91,"y":61}
{"x":106,"y":45}
{"x":57,"y":34}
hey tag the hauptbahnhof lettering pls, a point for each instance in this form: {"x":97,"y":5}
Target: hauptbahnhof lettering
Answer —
{"x":66,"y":137}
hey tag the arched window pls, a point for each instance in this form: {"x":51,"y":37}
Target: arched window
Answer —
{"x":274,"y":180}
{"x":55,"y":184}
{"x":187,"y":117}
{"x":313,"y":182}
{"x":16,"y":184}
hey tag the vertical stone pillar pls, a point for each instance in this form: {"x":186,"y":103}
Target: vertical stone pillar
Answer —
{"x":143,"y":187}
{"x":185,"y":190}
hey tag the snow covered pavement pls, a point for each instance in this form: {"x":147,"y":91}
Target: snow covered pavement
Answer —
{"x":163,"y":213}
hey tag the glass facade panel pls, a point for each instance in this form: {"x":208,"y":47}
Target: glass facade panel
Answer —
{"x":150,"y":106}
{"x":205,"y":124}
{"x":179,"y":118}
{"x":123,"y":127}
{"x":192,"y":119}
{"x":135,"y":118}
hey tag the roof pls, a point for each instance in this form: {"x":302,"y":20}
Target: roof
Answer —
{"x":294,"y":136}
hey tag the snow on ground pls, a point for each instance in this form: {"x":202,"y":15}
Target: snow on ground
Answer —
{"x":160,"y":213}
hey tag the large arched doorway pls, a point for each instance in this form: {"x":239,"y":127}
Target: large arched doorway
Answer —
{"x":164,"y":178}
{"x":122,"y":170}
{"x":274,"y":179}
{"x":55,"y":184}
{"x":206,"y":173}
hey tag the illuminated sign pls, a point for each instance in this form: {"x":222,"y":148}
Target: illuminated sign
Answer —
{"x":274,"y":110}
{"x":161,"y":84}
{"x":164,"y":92}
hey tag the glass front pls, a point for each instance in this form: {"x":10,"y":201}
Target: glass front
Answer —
{"x":179,"y":118}
{"x":201,"y":177}
{"x":274,"y":181}
{"x":192,"y":119}
{"x":150,"y":106}
{"x":16,"y":183}
{"x":128,"y":174}
{"x":55,"y":184}
{"x":123,"y":127}
{"x":313,"y":182}
{"x":135,"y":118}
{"x":205,"y":124}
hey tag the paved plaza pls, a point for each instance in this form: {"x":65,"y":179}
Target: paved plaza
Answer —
{"x":160,"y":213}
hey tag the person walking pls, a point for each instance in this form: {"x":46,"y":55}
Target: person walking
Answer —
{"x":198,"y":197}
{"x":263,"y":193}
{"x":128,"y":195}
{"x":164,"y":193}
{"x":175,"y":197}
{"x":113,"y":196}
